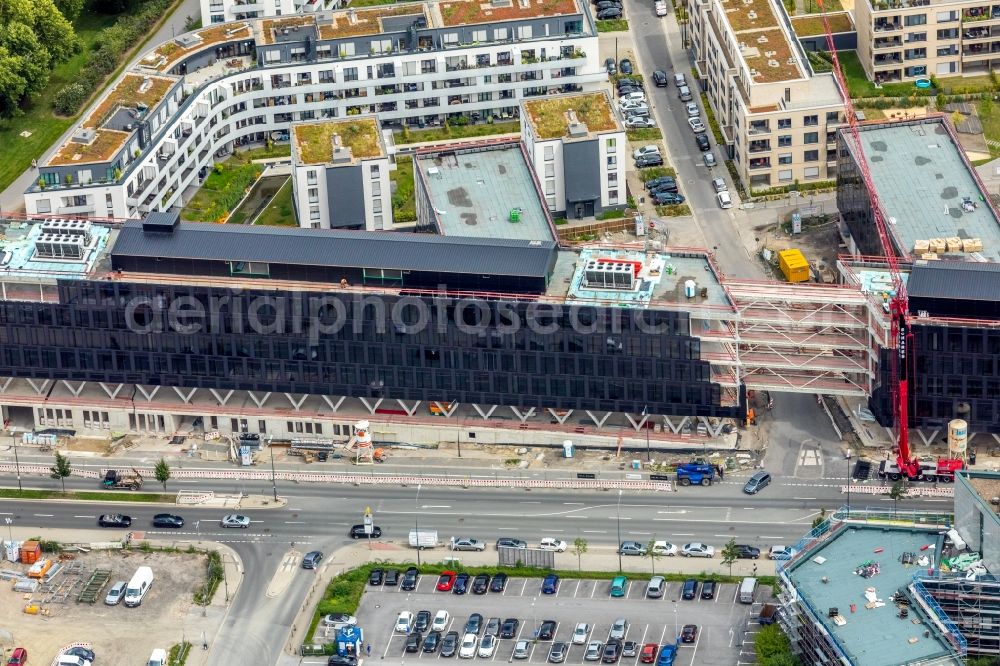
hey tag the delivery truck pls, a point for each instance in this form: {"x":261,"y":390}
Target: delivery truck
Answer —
{"x":422,"y":539}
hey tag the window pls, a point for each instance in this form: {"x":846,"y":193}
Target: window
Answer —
{"x":610,"y":144}
{"x":784,"y":141}
{"x":376,"y":206}
{"x":784,"y":123}
{"x":811,"y":172}
{"x":612,"y":178}
{"x":376,"y":188}
{"x":524,"y":32}
{"x":377,"y":221}
{"x":381,"y":45}
{"x":810,"y":121}
{"x":550,"y":202}
{"x":945,"y":17}
{"x":549,"y":153}
{"x":478,"y":35}
{"x":451,"y":38}
{"x":612,"y":161}
{"x":810,"y":137}
{"x":313,"y":212}
{"x":550,"y":187}
{"x":347,"y":50}
{"x":916,"y":37}
{"x":410,"y":68}
{"x":784,"y":175}
{"x":501,"y":34}
{"x":550,"y":170}
{"x":311,"y":177}
{"x":272,"y":55}
{"x":785,"y":158}
{"x":612,"y":197}
{"x":374,"y":170}
{"x":915,"y":19}
{"x":350,"y":73}
{"x":43,"y":205}
{"x":832,"y":117}
{"x":313,"y":195}
{"x":108,"y":200}
{"x":811,"y":156}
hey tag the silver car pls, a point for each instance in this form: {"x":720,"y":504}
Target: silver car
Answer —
{"x":618,"y":630}
{"x":522,"y":649}
{"x":557,"y":653}
{"x":235,"y":520}
{"x":116,"y":593}
{"x":594,"y":650}
{"x":692,"y":110}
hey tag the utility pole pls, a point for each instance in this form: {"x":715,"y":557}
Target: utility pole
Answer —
{"x":619,"y":531}
{"x":17,"y":463}
{"x":645,"y":426}
{"x":416,"y":521}
{"x":274,"y":484}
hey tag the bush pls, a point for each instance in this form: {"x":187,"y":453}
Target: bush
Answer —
{"x":70,"y":98}
{"x":203,"y":595}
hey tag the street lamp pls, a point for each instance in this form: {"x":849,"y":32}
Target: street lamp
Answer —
{"x":848,"y":456}
{"x":619,"y":513}
{"x":645,"y":426}
{"x":274,"y":484}
{"x":17,"y":463}
{"x":10,"y":530}
{"x":416,"y":523}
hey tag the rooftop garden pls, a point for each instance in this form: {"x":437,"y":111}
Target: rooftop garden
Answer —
{"x":775,"y":50}
{"x":104,"y":146}
{"x":753,"y":16}
{"x":367,"y":21}
{"x":130,"y":92}
{"x":810,"y":26}
{"x":463,"y":12}
{"x":269,"y":26}
{"x":172,"y":51}
{"x":549,"y":115}
{"x":315,"y":140}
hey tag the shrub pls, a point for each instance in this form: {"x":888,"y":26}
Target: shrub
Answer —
{"x":70,"y":98}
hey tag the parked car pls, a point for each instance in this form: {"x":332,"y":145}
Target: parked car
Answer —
{"x":550,"y":584}
{"x":487,"y":646}
{"x":757,"y":482}
{"x":499,"y":582}
{"x":312,"y":559}
{"x":647,"y":655}
{"x":404,"y":622}
{"x":679,"y":79}
{"x":702,"y":141}
{"x":392,"y":577}
{"x":629,"y":81}
{"x":557,"y":653}
{"x":510,"y":542}
{"x":607,"y":4}
{"x":660,"y":7}
{"x":410,"y":579}
{"x":376,"y":577}
{"x":594,"y":651}
{"x":665,"y":199}
{"x":667,"y":655}
{"x":468,"y":648}
{"x":631,"y":96}
{"x":547,"y":630}
{"x":632,"y":547}
{"x":432,"y":642}
{"x":86,"y":654}
{"x":481,"y":584}
{"x":358,"y":532}
{"x":696,"y":125}
{"x":662,"y":182}
{"x":660,"y":78}
{"x":665,"y":548}
{"x":18,"y":657}
{"x":708,"y":159}
{"x":708,"y":589}
{"x":778,"y":552}
{"x":116,"y":593}
{"x":639,"y":122}
{"x":493,"y":626}
{"x":522,"y":649}
{"x":466,"y":543}
{"x":441,"y":620}
{"x":619,"y":628}
{"x":692,"y":110}
{"x":689,"y":634}
{"x":684,"y":93}
{"x":697,"y":550}
{"x":449,"y":644}
{"x":235,"y":520}
{"x":646,"y":150}
{"x":724,"y":199}
{"x":342,"y":620}
{"x":581,"y":633}
{"x":474,"y":624}
{"x":649,"y":161}
{"x":629,"y":648}
{"x":556,"y":545}
{"x":629,"y":105}
{"x":612,"y":652}
{"x":610,"y":66}
{"x":461,"y":585}
{"x":508,"y":629}
{"x":656,"y":587}
{"x":745,"y":552}
{"x":167,"y":520}
{"x":689,"y":590}
{"x":720,"y":185}
{"x":625,"y":66}
{"x":115,"y":520}
{"x":619,"y":585}
{"x":422,"y":621}
{"x":609,"y":15}
{"x":446,"y":581}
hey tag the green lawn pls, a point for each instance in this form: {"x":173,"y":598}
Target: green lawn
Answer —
{"x":644,"y":134}
{"x":457,"y":132}
{"x":38,"y":119}
{"x":84,"y":496}
{"x":404,"y":203}
{"x":859,"y":85}
{"x":656,"y":172}
{"x":989,"y":114}
{"x":812,"y":6}
{"x":223,"y":189}
{"x":612,"y":25}
{"x":280,"y":212}
{"x":677,"y":210}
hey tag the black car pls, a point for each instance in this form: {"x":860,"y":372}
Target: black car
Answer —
{"x":80,"y":651}
{"x":649,"y":161}
{"x":342,"y":660}
{"x":410,"y":578}
{"x":392,"y":577}
{"x":422,"y":621}
{"x":667,"y":198}
{"x":608,"y":4}
{"x":609,"y":14}
{"x":481,"y":584}
{"x":358,"y":532}
{"x":625,"y":66}
{"x":547,"y":630}
{"x":690,"y":589}
{"x":660,"y":78}
{"x":167,"y":520}
{"x":376,"y":577}
{"x":612,"y":652}
{"x":633,"y":84}
{"x":689,"y":634}
{"x":708,"y":589}
{"x":432,"y":641}
{"x":413,"y":641}
{"x":449,"y":644}
{"x":474,"y":624}
{"x":610,"y":66}
{"x":114,"y":520}
{"x":509,"y":628}
{"x":511,"y":542}
{"x":667,"y":183}
{"x":461,"y":585}
{"x":499,"y":582}
{"x":745,"y":552}
{"x":702,"y":142}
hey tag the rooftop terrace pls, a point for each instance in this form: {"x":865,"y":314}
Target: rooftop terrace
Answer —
{"x":167,"y":54}
{"x":870,"y":636}
{"x":475,"y":193}
{"x":550,"y":118}
{"x":360,"y":22}
{"x":269,"y":29}
{"x":314,"y":141}
{"x":465,"y":12}
{"x":131,"y":92}
{"x":763,"y":43}
{"x":922,"y":177}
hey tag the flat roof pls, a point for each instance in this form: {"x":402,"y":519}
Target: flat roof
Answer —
{"x":167,"y":54}
{"x":986,"y":484}
{"x":314,"y":140}
{"x":475,"y":193}
{"x":875,"y":636}
{"x":101,"y":149}
{"x":268,"y":30}
{"x":364,"y":21}
{"x":763,"y":43}
{"x":464,"y":12}
{"x":341,"y":249}
{"x":955,"y":280}
{"x":558,"y":117}
{"x":921,"y":177}
{"x":19,"y":240}
{"x":130,"y":92}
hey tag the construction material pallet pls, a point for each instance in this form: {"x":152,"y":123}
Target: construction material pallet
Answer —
{"x":92,"y":588}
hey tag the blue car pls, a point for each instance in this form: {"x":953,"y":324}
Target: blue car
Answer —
{"x":667,"y":655}
{"x":461,"y":585}
{"x":550,"y":584}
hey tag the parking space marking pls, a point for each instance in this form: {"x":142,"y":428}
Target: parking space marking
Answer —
{"x":594,"y":590}
{"x":577,"y":588}
{"x":524,"y":585}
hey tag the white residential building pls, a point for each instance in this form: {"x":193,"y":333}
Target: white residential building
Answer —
{"x":224,"y":11}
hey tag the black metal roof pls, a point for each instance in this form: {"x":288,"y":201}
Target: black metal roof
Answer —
{"x":333,"y":248}
{"x":957,"y":280}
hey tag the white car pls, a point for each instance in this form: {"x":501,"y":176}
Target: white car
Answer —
{"x":581,"y":633}
{"x":468,"y":648}
{"x":235,"y":520}
{"x":487,"y":646}
{"x":697,"y":550}
{"x":696,"y":125}
{"x":440,"y":622}
{"x":338,"y":620}
{"x":692,"y":110}
{"x":651,"y":149}
{"x":781,"y":552}
{"x":404,"y":622}
{"x":661,"y":8}
{"x":632,"y":97}
{"x":627,"y":105}
{"x":664,"y":548}
{"x":550,"y":543}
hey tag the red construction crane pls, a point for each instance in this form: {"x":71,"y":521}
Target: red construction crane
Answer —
{"x":906,"y":463}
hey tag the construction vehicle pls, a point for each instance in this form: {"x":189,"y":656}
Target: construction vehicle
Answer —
{"x":116,"y":479}
{"x":907,"y":465}
{"x":942,"y":469}
{"x":695,"y":474}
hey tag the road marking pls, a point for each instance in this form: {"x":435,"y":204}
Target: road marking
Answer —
{"x":85,"y":516}
{"x":6,"y":514}
{"x":302,"y":522}
{"x":529,"y":502}
{"x":524,"y":585}
{"x":295,"y":509}
{"x":680,"y":534}
{"x":769,"y":537}
{"x":572,"y":503}
{"x":595,"y":532}
{"x":643,"y":533}
{"x":583,"y":517}
{"x":671,"y":512}
{"x":749,"y":508}
{"x":43,"y":515}
{"x":720,"y":535}
{"x":808,"y":499}
{"x":436,"y":506}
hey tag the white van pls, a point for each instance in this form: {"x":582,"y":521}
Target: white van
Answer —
{"x":725,"y":201}
{"x":747,"y":589}
{"x":158,"y":658}
{"x":137,"y":588}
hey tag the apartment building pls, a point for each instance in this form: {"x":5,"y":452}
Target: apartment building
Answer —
{"x":577,"y":147}
{"x":224,"y":11}
{"x":905,"y":40}
{"x":778,"y":117}
{"x":247,"y":81}
{"x":340,"y":175}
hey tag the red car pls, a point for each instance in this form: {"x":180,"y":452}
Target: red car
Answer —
{"x":18,"y":657}
{"x":689,"y":633}
{"x":648,"y":653}
{"x":446,"y":581}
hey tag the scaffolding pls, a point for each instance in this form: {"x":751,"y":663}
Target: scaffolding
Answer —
{"x":973,"y":605}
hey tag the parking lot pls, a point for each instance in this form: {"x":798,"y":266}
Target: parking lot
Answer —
{"x":719,"y":620}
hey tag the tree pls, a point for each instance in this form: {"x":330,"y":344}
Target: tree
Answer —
{"x":652,"y":553}
{"x":61,"y":469}
{"x":34,"y":37}
{"x":818,"y":520}
{"x":771,"y":643}
{"x":579,"y":548}
{"x":162,"y":472}
{"x":730,"y":553}
{"x":896,"y":493}
{"x":70,"y":9}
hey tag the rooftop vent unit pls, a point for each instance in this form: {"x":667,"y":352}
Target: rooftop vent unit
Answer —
{"x":60,"y":246}
{"x":84,"y":135}
{"x":161,"y":222}
{"x":68,"y":228}
{"x":352,"y":17}
{"x":147,"y":83}
{"x":575,"y":127}
{"x":754,"y":72}
{"x":341,"y":154}
{"x":762,"y":39}
{"x":752,"y":15}
{"x":188,"y":40}
{"x":773,"y":63}
{"x":604,"y":274}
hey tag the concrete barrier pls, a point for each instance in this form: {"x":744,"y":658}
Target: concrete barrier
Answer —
{"x":912,"y":491}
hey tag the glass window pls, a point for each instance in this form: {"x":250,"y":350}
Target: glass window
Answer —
{"x":811,"y":137}
{"x":784,"y":141}
{"x":811,"y":156}
{"x":784,"y":123}
{"x":785,"y":175}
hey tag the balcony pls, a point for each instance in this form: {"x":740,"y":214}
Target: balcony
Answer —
{"x":757,"y":128}
{"x":976,"y":33}
{"x":887,"y":43}
{"x":887,"y":26}
{"x":760,"y":163}
{"x":759,"y":146}
{"x":887,"y":59}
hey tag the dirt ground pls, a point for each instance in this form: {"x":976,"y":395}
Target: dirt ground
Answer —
{"x":118,"y":635}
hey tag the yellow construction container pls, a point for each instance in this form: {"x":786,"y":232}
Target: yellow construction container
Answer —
{"x":793,"y":265}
